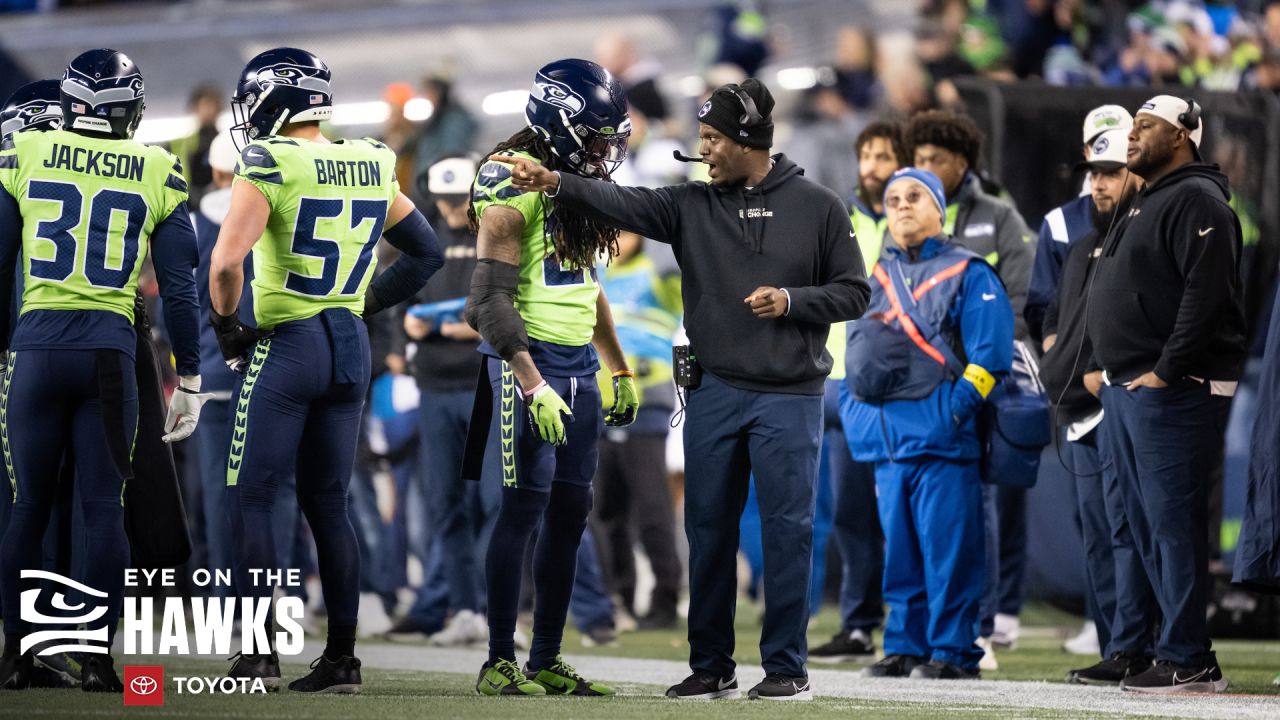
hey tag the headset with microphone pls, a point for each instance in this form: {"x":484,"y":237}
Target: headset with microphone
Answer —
{"x":749,"y":118}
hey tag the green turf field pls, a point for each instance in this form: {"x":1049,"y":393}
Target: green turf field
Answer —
{"x":405,"y":693}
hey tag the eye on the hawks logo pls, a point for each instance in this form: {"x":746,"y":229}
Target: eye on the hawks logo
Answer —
{"x":554,"y":93}
{"x":61,"y":635}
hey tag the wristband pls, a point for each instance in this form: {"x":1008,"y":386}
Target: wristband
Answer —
{"x":981,"y":380}
{"x":625,"y":373}
{"x":529,"y":395}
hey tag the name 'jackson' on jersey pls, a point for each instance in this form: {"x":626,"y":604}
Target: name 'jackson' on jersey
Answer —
{"x":556,"y":303}
{"x":328,"y":206}
{"x":89,"y":206}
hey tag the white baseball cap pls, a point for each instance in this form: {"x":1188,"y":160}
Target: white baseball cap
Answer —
{"x":222,"y":153}
{"x":1104,"y":118}
{"x":1109,"y":151}
{"x":451,"y":176}
{"x":1169,"y":108}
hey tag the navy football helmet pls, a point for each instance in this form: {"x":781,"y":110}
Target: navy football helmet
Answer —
{"x":280,"y":86}
{"x":102,"y":92}
{"x":35,"y":106}
{"x":581,"y":110}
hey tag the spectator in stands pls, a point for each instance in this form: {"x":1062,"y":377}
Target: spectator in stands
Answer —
{"x":400,"y":133}
{"x":1118,"y":597}
{"x":451,"y":129}
{"x":617,"y":53}
{"x":825,"y":131}
{"x":1067,"y":223}
{"x":919,"y":428}
{"x":1166,"y":321}
{"x":856,"y":527}
{"x":633,"y":501}
{"x":205,"y":104}
{"x":855,"y":68}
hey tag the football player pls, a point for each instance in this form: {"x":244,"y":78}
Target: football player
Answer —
{"x":84,"y":204}
{"x":311,"y":211}
{"x":537,"y":304}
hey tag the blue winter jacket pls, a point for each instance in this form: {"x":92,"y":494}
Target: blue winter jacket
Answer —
{"x":942,"y":424}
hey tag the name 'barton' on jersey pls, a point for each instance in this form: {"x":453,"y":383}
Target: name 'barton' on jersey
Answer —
{"x":329,"y":202}
{"x":557,"y":304}
{"x":89,"y":206}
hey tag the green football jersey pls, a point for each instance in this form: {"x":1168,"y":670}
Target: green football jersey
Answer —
{"x":557,"y":304}
{"x":88,"y":208}
{"x":329,"y":202}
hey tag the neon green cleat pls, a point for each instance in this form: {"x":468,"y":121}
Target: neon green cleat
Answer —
{"x":504,"y":678}
{"x":559,"y":678}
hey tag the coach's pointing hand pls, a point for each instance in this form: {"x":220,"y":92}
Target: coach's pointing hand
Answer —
{"x":527,"y":174}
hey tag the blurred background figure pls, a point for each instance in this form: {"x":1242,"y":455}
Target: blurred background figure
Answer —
{"x":207,"y":102}
{"x":451,"y":129}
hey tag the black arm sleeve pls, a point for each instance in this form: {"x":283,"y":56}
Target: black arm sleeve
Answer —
{"x":491,"y":309}
{"x":842,"y":292}
{"x":176,"y":255}
{"x":420,"y":257}
{"x":652,"y":213}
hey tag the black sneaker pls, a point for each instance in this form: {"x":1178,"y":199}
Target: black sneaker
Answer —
{"x":330,"y":676}
{"x":15,"y":671}
{"x":706,"y":686}
{"x":1111,"y":671}
{"x":846,"y":646}
{"x":893,"y":666}
{"x":262,"y":667}
{"x":942,"y":670}
{"x":98,"y":674}
{"x":1165,"y":678}
{"x":777,"y":686}
{"x":659,"y":620}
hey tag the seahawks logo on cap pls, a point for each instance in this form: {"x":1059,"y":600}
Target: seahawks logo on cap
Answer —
{"x":706,"y":108}
{"x":557,"y":94}
{"x":1101,"y":146}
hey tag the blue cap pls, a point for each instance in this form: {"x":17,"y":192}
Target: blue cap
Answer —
{"x":925,"y":178}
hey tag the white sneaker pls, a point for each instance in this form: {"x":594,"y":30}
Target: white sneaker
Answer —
{"x":374,"y":620}
{"x":464,"y":628}
{"x":988,"y":661}
{"x":1086,"y":642}
{"x":623,"y":621}
{"x":1006,"y":632}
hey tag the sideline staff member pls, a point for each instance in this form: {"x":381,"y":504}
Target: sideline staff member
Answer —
{"x":769,"y":262}
{"x":1167,"y":325}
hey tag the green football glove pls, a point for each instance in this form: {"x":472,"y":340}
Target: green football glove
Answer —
{"x":626,"y":401}
{"x":545,"y":408}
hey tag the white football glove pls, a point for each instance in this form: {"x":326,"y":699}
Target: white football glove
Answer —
{"x":184,"y":409}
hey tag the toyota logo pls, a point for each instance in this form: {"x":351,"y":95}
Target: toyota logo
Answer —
{"x":143,"y":685}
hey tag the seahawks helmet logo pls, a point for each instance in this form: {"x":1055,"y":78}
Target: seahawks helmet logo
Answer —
{"x":558,"y":95}
{"x":706,"y":108}
{"x":1101,"y":146}
{"x":294,"y":76}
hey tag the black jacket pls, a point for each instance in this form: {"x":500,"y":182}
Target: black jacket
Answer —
{"x":1168,"y":295}
{"x":1063,"y":367}
{"x":441,"y":364}
{"x":787,"y":232}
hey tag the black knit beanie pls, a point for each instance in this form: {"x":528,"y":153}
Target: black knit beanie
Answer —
{"x":725,"y":112}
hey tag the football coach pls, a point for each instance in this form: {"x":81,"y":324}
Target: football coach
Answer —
{"x":769,"y":262}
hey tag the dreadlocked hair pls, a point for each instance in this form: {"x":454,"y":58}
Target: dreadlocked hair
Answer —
{"x":578,"y":240}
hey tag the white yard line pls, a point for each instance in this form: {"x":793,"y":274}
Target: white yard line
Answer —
{"x":846,"y":684}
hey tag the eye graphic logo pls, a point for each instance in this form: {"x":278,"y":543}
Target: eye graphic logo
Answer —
{"x":554,"y":93}
{"x":143,"y":685}
{"x":60,"y":637}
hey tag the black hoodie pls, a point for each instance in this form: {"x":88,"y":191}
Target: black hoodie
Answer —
{"x":1168,"y":295}
{"x":787,"y":232}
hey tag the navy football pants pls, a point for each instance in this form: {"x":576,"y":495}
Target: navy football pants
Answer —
{"x":292,"y":412}
{"x":53,"y":399}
